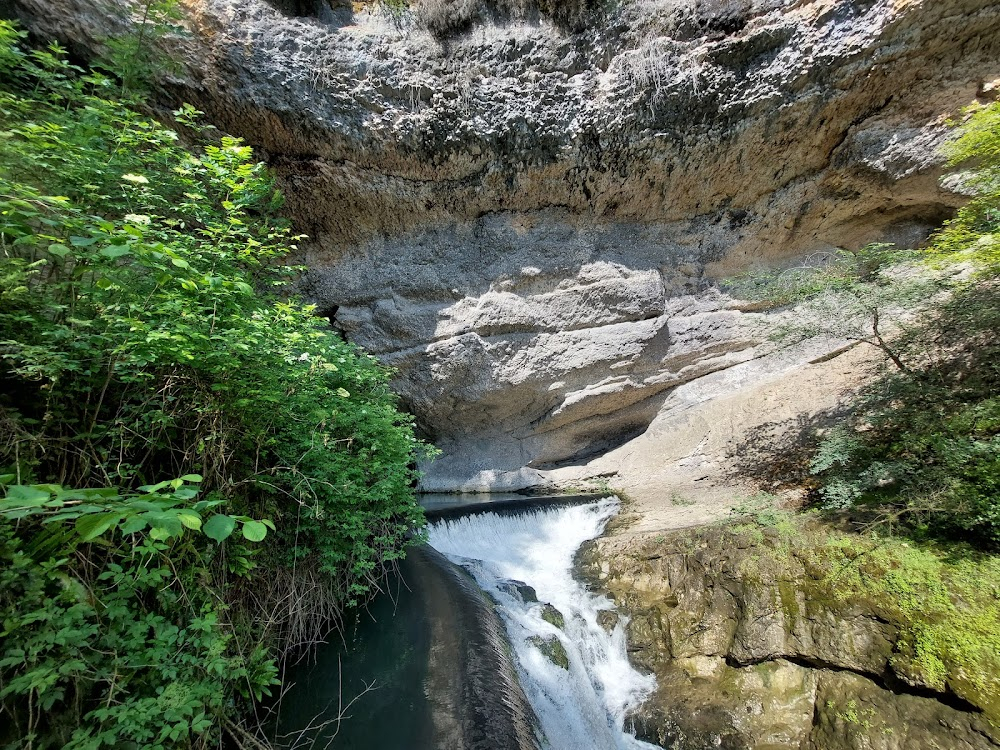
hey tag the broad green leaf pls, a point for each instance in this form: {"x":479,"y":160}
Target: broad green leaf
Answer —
{"x":190,"y":519}
{"x":19,"y":513}
{"x":159,"y":533}
{"x":6,"y":479}
{"x":59,"y":250}
{"x":115,"y":251}
{"x":194,"y":478}
{"x":254,"y":531}
{"x":201,"y":505}
{"x":132,"y":525}
{"x":82,"y":241}
{"x":167,"y":521}
{"x":22,"y":495}
{"x":93,"y":525}
{"x":76,"y":511}
{"x":93,"y":493}
{"x":150,"y":488}
{"x":219,"y":527}
{"x":150,"y":506}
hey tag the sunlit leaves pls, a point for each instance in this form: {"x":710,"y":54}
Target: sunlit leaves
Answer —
{"x":254,"y":531}
{"x":162,"y":510}
{"x":975,"y":230}
{"x":141,"y":338}
{"x":922,"y":449}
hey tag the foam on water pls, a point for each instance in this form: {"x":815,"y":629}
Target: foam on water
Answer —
{"x":586,"y":706}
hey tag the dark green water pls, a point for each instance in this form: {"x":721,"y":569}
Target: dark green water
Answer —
{"x":428,"y":667}
{"x":386,"y":650}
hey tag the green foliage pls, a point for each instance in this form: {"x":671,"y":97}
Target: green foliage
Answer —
{"x":852,"y":295}
{"x":163,"y":508}
{"x":922,"y":451}
{"x":132,"y":57}
{"x":944,"y":600}
{"x":137,"y":655}
{"x":763,"y":509}
{"x":975,"y":231}
{"x":142,"y":336}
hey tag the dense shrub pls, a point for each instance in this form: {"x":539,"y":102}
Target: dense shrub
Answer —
{"x":924,"y":445}
{"x":143,"y":336}
{"x":921,"y":449}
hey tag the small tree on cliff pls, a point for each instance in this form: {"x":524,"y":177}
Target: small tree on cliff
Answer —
{"x":862,"y":296}
{"x":921,"y":450}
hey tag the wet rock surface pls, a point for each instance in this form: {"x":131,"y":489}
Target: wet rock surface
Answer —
{"x":522,"y":206}
{"x":553,"y":616}
{"x":752,"y":655}
{"x":552,"y":649}
{"x":608,"y":619}
{"x":521,"y":590}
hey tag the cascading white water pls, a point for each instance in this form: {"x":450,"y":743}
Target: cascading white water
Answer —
{"x":586,"y":706}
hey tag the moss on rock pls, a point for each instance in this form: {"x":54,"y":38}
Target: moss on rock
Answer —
{"x":553,"y":616}
{"x":714,"y":610}
{"x":552,"y":649}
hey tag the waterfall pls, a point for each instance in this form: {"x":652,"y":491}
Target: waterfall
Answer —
{"x":510,"y":555}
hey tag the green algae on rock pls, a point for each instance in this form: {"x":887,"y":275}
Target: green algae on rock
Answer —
{"x":797,"y":635}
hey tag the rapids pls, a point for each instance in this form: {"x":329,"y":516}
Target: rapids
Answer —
{"x":586,"y":706}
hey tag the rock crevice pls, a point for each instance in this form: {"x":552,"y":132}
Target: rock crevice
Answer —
{"x":752,"y":650}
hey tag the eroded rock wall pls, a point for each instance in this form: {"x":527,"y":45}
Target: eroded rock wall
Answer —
{"x":524,"y":210}
{"x":753,"y":650}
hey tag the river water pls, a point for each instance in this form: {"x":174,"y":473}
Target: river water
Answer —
{"x":584,"y":706}
{"x":435,"y":653}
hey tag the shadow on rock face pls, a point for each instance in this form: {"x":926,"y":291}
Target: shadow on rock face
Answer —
{"x":333,"y":12}
{"x":447,"y":18}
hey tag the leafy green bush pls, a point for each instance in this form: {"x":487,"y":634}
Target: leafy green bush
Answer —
{"x":853,"y":295}
{"x":921,"y":451}
{"x":924,"y":445}
{"x":975,"y":230}
{"x":135,"y":649}
{"x":143,"y":336}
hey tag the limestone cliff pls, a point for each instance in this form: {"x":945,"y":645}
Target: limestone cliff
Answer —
{"x":523,"y":207}
{"x":759,"y":641}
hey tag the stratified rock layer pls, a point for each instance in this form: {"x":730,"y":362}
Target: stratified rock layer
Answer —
{"x":522,"y":211}
{"x":752,"y":650}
